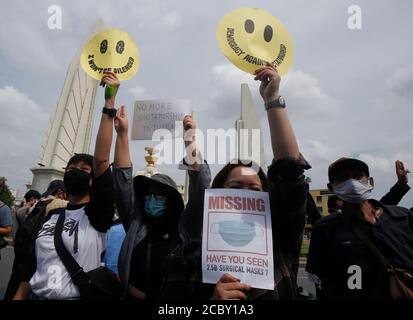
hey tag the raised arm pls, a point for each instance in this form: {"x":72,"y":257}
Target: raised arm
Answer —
{"x":284,"y":144}
{"x":122,"y":153}
{"x":193,"y":157}
{"x":199,"y":179}
{"x":100,"y":208}
{"x":104,"y":137}
{"x":397,"y":192}
{"x":122,"y":171}
{"x":288,"y":193}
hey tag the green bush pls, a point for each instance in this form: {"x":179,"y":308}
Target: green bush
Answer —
{"x":304,"y":248}
{"x":5,"y":194}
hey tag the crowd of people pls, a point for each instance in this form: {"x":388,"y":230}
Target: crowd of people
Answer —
{"x":103,"y":233}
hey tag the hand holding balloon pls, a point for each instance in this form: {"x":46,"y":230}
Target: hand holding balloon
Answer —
{"x":110,"y":80}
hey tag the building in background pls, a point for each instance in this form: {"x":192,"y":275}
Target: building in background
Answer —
{"x":18,"y":197}
{"x":246,"y":147}
{"x":320,"y":197}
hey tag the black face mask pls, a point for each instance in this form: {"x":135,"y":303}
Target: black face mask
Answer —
{"x":76,"y":182}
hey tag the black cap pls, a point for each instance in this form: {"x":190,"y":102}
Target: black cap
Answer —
{"x":53,"y":187}
{"x":343,"y":164}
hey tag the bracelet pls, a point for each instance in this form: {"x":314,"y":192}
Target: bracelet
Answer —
{"x":111,"y":112}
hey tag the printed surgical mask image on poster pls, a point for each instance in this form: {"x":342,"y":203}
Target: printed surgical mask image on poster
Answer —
{"x":237,"y":237}
{"x":236,"y":233}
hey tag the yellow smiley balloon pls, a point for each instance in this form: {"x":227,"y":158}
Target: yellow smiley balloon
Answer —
{"x":110,"y":50}
{"x":250,"y":37}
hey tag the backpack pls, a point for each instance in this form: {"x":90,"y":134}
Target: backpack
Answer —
{"x":26,"y":233}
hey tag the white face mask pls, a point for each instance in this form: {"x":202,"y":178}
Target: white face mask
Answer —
{"x":353,"y":191}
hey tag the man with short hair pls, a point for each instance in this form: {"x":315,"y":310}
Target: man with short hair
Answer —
{"x":56,"y":192}
{"x":393,"y":197}
{"x":31,"y":197}
{"x":339,"y":257}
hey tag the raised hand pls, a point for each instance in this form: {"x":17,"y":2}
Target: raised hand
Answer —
{"x":230,"y":288}
{"x":401,"y":172}
{"x":270,"y":82}
{"x":121,"y":121}
{"x":193,"y":158}
{"x":189,"y":124}
{"x":110,"y":80}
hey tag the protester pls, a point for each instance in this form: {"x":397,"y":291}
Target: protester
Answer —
{"x":339,"y":248}
{"x":393,"y":197}
{"x":313,"y":214}
{"x":150,"y":210}
{"x":88,"y":216}
{"x":31,"y":197}
{"x":286,"y":186}
{"x":24,"y":241}
{"x":116,"y":235}
{"x":6,"y":224}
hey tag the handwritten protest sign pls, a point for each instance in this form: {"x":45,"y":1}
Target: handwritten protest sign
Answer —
{"x":110,"y":50}
{"x":251,"y":37}
{"x":237,"y":237}
{"x":151,"y":115}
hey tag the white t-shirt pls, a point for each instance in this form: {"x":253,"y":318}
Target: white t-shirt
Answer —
{"x":51,"y":279}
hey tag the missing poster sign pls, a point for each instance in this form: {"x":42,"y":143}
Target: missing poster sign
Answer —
{"x":151,"y":115}
{"x":237,"y":237}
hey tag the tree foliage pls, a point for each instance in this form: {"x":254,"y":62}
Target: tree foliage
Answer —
{"x":5,"y":194}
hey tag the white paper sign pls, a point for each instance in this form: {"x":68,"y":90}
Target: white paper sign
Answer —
{"x":237,"y":237}
{"x":150,"y":115}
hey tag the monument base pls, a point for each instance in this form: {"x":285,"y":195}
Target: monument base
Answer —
{"x":43,"y":176}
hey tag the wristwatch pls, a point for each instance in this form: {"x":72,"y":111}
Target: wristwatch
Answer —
{"x":277,"y":103}
{"x":111,"y":112}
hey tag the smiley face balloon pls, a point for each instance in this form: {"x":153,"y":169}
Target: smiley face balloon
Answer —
{"x":110,"y":50}
{"x":250,"y":37}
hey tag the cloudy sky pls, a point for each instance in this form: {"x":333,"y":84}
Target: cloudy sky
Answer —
{"x":349,"y":92}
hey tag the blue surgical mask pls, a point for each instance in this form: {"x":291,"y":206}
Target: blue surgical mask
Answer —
{"x":235,"y":233}
{"x":353,"y":191}
{"x":155,"y":205}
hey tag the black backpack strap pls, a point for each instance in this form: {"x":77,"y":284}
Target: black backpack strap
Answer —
{"x":35,"y":220}
{"x":376,"y":252}
{"x":75,"y":271}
